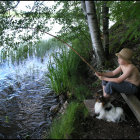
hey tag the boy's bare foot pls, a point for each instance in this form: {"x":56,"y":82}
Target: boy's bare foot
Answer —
{"x":109,"y":98}
{"x":106,"y":96}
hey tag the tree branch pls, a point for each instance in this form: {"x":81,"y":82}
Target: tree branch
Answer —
{"x":3,"y":12}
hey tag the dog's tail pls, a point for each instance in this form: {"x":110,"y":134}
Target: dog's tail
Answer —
{"x":122,"y":118}
{"x":120,"y":112}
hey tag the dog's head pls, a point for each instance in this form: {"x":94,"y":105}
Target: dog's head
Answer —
{"x":100,"y":103}
{"x":100,"y":99}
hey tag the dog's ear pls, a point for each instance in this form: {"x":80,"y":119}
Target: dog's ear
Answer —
{"x":103,"y":100}
{"x":96,"y":96}
{"x":99,"y":99}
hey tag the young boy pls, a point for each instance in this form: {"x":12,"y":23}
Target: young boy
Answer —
{"x":128,"y":82}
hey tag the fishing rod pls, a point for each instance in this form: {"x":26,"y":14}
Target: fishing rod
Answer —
{"x":69,"y":47}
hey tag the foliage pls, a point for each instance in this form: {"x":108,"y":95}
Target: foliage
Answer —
{"x":126,"y":12}
{"x":20,"y":24}
{"x":73,"y":20}
{"x":97,"y":83}
{"x":99,"y":5}
{"x":16,"y":27}
{"x":66,"y":124}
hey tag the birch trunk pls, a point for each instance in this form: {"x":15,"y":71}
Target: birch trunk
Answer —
{"x":105,"y":11}
{"x":95,"y":32}
{"x":84,"y":8}
{"x":98,"y":12}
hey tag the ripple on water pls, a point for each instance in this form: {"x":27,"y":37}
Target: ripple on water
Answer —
{"x":25,"y":100}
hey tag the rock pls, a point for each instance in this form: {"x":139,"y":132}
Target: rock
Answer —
{"x":9,"y":89}
{"x":18,"y":84}
{"x":65,"y":104}
{"x":62,"y":98}
{"x":42,"y":123}
{"x":54,"y":108}
{"x":63,"y":108}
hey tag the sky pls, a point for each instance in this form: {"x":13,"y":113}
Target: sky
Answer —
{"x":56,"y":27}
{"x":22,"y":6}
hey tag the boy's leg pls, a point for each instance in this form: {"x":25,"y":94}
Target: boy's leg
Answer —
{"x":123,"y":87}
{"x":104,"y":83}
{"x":104,"y":93}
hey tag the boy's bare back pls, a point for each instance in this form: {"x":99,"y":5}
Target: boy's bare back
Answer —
{"x":133,"y":74}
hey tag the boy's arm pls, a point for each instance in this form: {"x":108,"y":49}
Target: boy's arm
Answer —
{"x":119,"y":79}
{"x":112,"y":73}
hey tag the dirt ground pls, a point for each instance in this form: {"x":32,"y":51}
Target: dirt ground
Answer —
{"x":92,"y":128}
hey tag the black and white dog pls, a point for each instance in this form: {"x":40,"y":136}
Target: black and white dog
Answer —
{"x":107,"y":111}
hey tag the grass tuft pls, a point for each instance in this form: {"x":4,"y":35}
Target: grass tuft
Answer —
{"x":63,"y":127}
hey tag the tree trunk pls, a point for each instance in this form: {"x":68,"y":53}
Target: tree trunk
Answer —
{"x":98,"y":12}
{"x":95,"y":32}
{"x":105,"y":11}
{"x":84,"y":8}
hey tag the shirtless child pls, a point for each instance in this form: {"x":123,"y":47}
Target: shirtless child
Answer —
{"x":128,"y":82}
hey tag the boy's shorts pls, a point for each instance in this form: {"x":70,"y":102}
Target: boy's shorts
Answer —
{"x":123,"y":87}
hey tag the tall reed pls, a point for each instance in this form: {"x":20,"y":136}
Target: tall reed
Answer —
{"x":66,"y":68}
{"x":21,"y":52}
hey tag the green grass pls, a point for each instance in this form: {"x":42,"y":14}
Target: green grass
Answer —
{"x":65,"y":74}
{"x":65,"y":71}
{"x":67,"y":123}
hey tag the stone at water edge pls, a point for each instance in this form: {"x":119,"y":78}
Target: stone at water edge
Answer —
{"x":62,"y":98}
{"x":63,"y":108}
{"x":54,"y":108}
{"x":9,"y":89}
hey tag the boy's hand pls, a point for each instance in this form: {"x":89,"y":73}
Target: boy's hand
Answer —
{"x":101,"y":77}
{"x":98,"y":74}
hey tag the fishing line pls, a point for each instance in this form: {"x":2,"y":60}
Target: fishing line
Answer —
{"x":69,"y":47}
